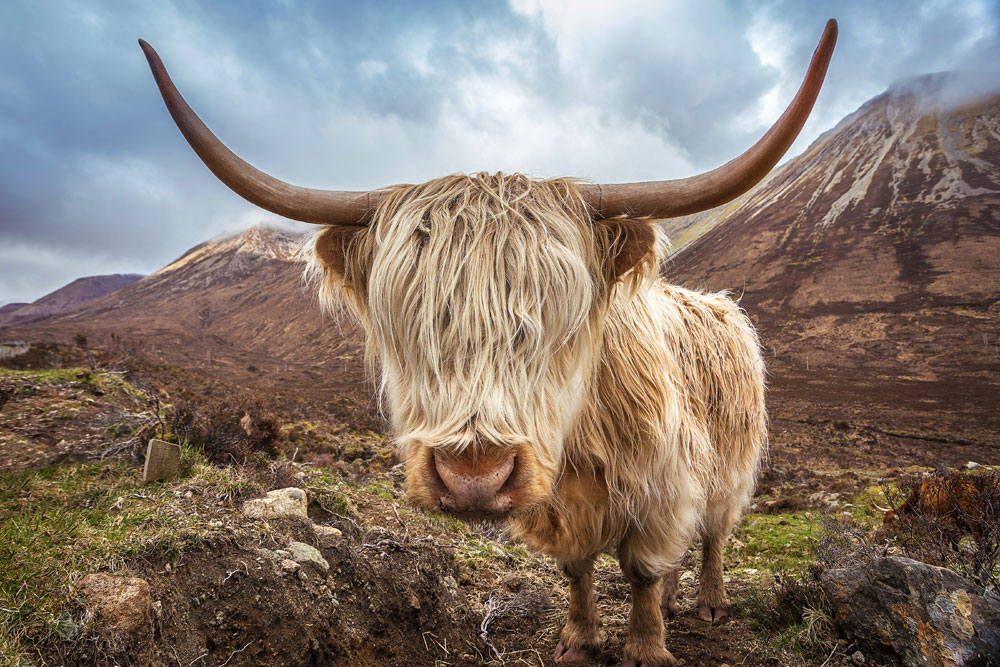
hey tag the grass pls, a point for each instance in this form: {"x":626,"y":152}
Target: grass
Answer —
{"x":777,"y":542}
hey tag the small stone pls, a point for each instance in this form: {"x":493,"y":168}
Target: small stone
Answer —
{"x":858,"y":658}
{"x":290,"y":502}
{"x":283,"y":553}
{"x":972,"y":465}
{"x":289,"y":565}
{"x":121,"y":604}
{"x":305,"y":554}
{"x":450,"y":583}
{"x":163,"y":460}
{"x":327,"y":534}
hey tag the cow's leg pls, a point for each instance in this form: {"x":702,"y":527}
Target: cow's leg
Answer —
{"x":668,"y":603}
{"x":713,"y":604}
{"x":644,"y":646}
{"x":581,"y":636}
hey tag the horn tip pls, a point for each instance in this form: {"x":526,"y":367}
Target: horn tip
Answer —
{"x":832,"y":28}
{"x":147,"y":49}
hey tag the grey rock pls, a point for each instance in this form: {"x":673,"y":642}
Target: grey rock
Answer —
{"x":898,"y":609}
{"x":305,"y":554}
{"x":328,"y":534}
{"x":290,"y":502}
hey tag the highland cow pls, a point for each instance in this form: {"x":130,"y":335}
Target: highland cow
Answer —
{"x":535,"y":367}
{"x":954,"y":499}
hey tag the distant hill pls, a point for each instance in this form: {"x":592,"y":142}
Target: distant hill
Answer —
{"x":872,"y":261}
{"x":9,"y":308}
{"x":235,"y":304}
{"x":64,"y":299}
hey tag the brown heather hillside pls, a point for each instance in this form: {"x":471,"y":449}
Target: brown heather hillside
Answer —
{"x":66,"y":298}
{"x":235,"y":307}
{"x":872,"y":264}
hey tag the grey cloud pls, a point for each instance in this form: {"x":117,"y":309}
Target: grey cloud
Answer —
{"x":95,"y":178}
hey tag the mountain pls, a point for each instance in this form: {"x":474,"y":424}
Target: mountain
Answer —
{"x":66,"y":298}
{"x":9,"y":308}
{"x":235,"y":305}
{"x":871,"y":262}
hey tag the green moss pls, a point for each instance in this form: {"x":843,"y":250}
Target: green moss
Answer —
{"x":777,"y":542}
{"x":382,"y":488}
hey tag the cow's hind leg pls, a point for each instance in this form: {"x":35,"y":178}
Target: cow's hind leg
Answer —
{"x":668,"y":603}
{"x":713,"y":604}
{"x":581,"y":636}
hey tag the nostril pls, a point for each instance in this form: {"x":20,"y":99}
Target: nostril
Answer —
{"x":474,"y":484}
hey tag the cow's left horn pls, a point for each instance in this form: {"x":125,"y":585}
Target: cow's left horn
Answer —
{"x":333,"y":207}
{"x":667,"y":199}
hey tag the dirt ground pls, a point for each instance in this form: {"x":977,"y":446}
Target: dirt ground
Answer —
{"x":403,"y":587}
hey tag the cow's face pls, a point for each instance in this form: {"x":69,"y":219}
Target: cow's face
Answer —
{"x":483,"y":299}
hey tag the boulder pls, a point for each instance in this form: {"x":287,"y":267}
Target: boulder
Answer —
{"x":903,"y":610}
{"x":120,"y":604}
{"x":280,"y":504}
{"x":307,"y":555}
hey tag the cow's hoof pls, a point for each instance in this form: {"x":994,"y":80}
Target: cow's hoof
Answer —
{"x":567,"y":654}
{"x":712,"y":614}
{"x":665,"y":659}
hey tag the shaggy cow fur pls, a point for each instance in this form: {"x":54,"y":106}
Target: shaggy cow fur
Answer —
{"x":500,"y":316}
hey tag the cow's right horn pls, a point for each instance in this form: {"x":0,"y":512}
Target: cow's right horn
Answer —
{"x":332,"y":207}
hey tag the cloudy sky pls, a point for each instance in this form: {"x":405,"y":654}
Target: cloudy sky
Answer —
{"x":95,"y":178}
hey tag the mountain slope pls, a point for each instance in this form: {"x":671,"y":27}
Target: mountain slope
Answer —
{"x":872,"y":260}
{"x":236,"y":305}
{"x":66,"y":298}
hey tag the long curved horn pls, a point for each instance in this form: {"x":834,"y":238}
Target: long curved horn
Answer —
{"x":880,"y":508}
{"x":331,"y":207}
{"x":667,"y":199}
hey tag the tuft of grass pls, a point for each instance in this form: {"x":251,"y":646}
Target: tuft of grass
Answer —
{"x":59,"y":523}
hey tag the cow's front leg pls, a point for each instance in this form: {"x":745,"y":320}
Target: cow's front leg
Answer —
{"x":644,"y":646}
{"x":581,"y":637}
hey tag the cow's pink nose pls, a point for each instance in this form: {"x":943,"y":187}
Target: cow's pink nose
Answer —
{"x":476,"y":487}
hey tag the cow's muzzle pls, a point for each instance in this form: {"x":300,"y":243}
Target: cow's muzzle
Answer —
{"x":476,"y":488}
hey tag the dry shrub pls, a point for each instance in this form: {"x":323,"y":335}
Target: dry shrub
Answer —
{"x":228,"y":429}
{"x":795,"y":611}
{"x":958,"y":529}
{"x":955,"y":524}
